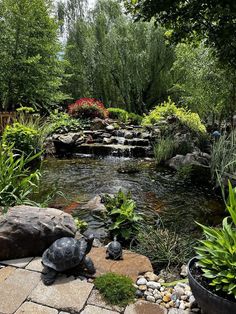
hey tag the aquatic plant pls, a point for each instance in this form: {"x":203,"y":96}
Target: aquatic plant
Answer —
{"x":88,"y":108}
{"x":119,"y":114}
{"x":17,"y":180}
{"x":164,"y":149}
{"x":164,"y":248}
{"x":116,"y":289}
{"x":216,"y":254}
{"x":168,"y":108}
{"x":121,"y":211}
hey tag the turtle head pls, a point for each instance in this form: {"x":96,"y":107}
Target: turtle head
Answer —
{"x":89,"y":239}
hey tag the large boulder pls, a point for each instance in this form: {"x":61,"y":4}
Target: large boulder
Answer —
{"x":28,"y":231}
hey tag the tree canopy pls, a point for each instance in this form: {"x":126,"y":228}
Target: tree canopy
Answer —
{"x":211,"y":19}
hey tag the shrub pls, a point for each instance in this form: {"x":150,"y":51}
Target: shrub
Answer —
{"x":186,"y":117}
{"x":163,"y":247}
{"x":17,"y":181}
{"x":216,"y":254}
{"x":164,"y":149}
{"x":116,"y":289}
{"x":88,"y":108}
{"x":118,"y":114}
{"x":135,"y":119}
{"x":121,"y":211}
{"x":23,"y":138}
{"x":62,"y":123}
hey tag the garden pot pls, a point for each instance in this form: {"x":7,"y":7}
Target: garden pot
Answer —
{"x":209,"y":302}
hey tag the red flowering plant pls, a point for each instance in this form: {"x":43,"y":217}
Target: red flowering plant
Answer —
{"x":88,"y":108}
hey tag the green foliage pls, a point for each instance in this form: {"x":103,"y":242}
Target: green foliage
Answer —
{"x":119,"y":114}
{"x":164,"y":149}
{"x":184,"y":172}
{"x":135,"y":119}
{"x":116,"y":60}
{"x":17,"y":180}
{"x":163,"y":247}
{"x":188,"y":118}
{"x":193,"y":19}
{"x":25,"y":109}
{"x":121,"y":211}
{"x":23,"y":138}
{"x":80,"y":224}
{"x":61,"y":122}
{"x":217,"y":253}
{"x":223,"y":157}
{"x":31,"y":70}
{"x":116,"y":289}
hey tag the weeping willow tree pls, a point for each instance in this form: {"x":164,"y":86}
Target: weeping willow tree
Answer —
{"x":122,"y":63}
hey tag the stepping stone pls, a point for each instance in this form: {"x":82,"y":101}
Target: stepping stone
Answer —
{"x":20,"y":263}
{"x":29,"y":307}
{"x":64,"y":294}
{"x":143,"y":307}
{"x":6,"y":272}
{"x":132,"y":265}
{"x":15,"y":289}
{"x":96,"y":299}
{"x":90,"y":309}
{"x":35,"y":265}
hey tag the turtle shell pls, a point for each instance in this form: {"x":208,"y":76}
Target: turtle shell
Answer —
{"x":64,"y":253}
{"x":114,"y":248}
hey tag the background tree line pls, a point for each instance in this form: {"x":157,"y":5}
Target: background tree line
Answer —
{"x":54,"y":52}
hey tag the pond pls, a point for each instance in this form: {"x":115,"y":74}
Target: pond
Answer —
{"x":159,"y":193}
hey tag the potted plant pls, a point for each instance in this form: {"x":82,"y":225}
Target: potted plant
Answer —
{"x":212,"y":273}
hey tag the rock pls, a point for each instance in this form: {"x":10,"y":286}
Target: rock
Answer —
{"x":150,"y":298}
{"x":132,"y":264}
{"x":96,"y":299}
{"x":90,"y":309}
{"x":97,"y":243}
{"x":98,"y":124}
{"x":139,"y":294}
{"x":179,"y":291}
{"x":143,"y":307}
{"x":151,"y":276}
{"x":68,"y":138}
{"x":142,"y":287}
{"x":167,"y":298}
{"x":141,"y":281}
{"x":107,"y":140}
{"x":28,"y":231}
{"x":65,"y":294}
{"x":146,"y":293}
{"x":110,"y":128}
{"x":153,"y":285}
{"x":95,"y":206}
{"x":184,"y":271}
{"x":128,"y":135}
{"x":20,"y":262}
{"x":182,"y":305}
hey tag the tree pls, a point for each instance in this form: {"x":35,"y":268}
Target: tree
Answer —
{"x":31,"y":70}
{"x":211,"y":19}
{"x":122,"y":63}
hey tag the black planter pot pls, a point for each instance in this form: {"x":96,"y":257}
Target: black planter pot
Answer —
{"x":209,"y":302}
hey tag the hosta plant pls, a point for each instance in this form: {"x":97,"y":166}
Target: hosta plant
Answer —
{"x":217,"y":252}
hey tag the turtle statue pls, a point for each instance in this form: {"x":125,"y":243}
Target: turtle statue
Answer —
{"x":114,"y":250}
{"x":67,"y":253}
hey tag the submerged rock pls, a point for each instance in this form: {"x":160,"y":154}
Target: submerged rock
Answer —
{"x":28,"y":231}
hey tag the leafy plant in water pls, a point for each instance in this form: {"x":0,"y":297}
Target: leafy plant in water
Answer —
{"x":17,"y":181}
{"x":116,"y":289}
{"x":121,"y":211}
{"x":217,"y":253}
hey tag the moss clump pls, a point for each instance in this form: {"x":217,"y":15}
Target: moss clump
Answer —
{"x":116,"y":289}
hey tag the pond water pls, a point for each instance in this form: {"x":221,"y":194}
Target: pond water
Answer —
{"x":159,"y":193}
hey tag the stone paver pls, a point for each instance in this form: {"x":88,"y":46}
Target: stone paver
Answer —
{"x":15,"y":289}
{"x":132,"y":264}
{"x":90,"y":309}
{"x":179,"y":311}
{"x":96,"y":299}
{"x":6,"y":272}
{"x":35,"y":265}
{"x":20,"y":263}
{"x":143,"y":307}
{"x":33,"y":308}
{"x":65,"y":294}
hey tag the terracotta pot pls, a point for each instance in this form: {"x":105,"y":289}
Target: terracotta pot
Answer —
{"x":209,"y":302}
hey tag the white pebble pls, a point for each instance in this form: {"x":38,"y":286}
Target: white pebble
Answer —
{"x":153,"y":285}
{"x":150,"y":298}
{"x":141,"y":281}
{"x":182,"y":305}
